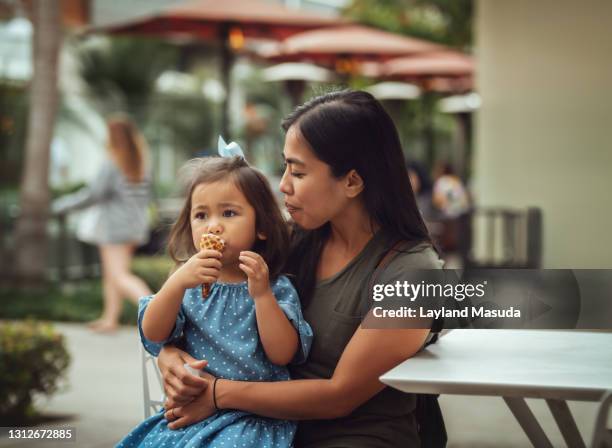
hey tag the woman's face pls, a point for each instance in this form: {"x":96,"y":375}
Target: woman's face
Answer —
{"x":313,"y":196}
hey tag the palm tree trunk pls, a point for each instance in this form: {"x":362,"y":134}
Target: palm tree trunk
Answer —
{"x":31,"y":235}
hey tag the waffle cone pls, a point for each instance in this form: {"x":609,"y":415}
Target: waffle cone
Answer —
{"x":215,"y":242}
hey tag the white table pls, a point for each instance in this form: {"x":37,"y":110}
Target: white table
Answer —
{"x":515,"y":364}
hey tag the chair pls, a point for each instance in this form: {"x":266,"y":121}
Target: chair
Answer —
{"x":505,"y":238}
{"x":602,"y":435}
{"x":149,"y":365}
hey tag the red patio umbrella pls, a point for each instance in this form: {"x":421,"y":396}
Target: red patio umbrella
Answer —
{"x":355,"y":49}
{"x":345,"y":47}
{"x":451,"y":64}
{"x":207,"y":19}
{"x":439,"y":72}
{"x":225,"y":21}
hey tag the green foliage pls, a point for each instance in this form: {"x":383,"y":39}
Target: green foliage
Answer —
{"x":425,"y":132}
{"x":187,"y":132}
{"x":33,"y":360}
{"x":445,"y":21}
{"x":153,"y":270}
{"x":121,"y":72}
{"x":8,"y":197}
{"x":78,"y":302}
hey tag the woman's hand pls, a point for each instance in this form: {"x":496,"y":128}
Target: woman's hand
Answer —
{"x":197,"y":410}
{"x":180,"y":386}
{"x":203,"y":267}
{"x":256,"y":269}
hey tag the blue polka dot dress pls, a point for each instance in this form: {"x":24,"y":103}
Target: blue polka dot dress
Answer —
{"x":223,"y":330}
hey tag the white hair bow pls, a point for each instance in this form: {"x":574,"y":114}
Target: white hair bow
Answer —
{"x":231,"y":150}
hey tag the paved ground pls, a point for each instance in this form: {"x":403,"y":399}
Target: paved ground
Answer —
{"x":104,"y":400}
{"x":104,"y":397}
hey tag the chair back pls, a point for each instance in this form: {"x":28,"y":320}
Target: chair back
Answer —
{"x":495,"y":237}
{"x":149,"y":367}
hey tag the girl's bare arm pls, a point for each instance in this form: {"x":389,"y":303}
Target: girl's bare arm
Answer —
{"x":160,"y":316}
{"x":278,"y":337}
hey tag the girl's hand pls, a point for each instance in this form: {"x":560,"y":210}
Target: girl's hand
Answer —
{"x":256,"y":270}
{"x":180,"y":386}
{"x":203,"y":267}
{"x":197,"y":410}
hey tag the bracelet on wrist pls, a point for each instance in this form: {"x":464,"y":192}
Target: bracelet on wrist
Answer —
{"x":214,"y":392}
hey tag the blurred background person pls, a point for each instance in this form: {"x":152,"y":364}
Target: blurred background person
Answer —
{"x":116,"y":219}
{"x":449,"y":199}
{"x":422,"y":187}
{"x":449,"y":194}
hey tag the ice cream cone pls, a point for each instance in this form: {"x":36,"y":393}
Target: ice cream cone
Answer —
{"x":215,"y":242}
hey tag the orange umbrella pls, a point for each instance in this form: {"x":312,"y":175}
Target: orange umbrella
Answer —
{"x":345,"y":47}
{"x":225,"y":21}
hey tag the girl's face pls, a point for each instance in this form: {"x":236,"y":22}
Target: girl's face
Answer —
{"x":313,"y":196}
{"x":221,"y":208}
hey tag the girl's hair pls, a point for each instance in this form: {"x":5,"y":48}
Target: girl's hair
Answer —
{"x":127,"y":147}
{"x":256,"y":189}
{"x":351,"y":130}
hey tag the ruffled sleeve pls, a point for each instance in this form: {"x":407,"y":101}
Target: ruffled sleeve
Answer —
{"x":177,"y":332}
{"x":288,"y":300}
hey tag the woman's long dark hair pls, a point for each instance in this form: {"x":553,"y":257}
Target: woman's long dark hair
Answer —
{"x":351,"y":130}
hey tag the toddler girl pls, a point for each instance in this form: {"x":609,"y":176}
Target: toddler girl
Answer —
{"x":249,"y":326}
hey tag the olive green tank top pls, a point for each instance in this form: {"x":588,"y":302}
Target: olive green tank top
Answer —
{"x":334,"y":313}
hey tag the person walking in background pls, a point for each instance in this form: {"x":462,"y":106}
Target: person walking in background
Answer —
{"x":116,"y":219}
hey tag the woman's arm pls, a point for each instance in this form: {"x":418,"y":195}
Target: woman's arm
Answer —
{"x":98,"y":190}
{"x":369,"y":354}
{"x":180,"y":385}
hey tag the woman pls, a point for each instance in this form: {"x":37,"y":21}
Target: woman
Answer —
{"x":116,"y":220}
{"x":348,"y":193}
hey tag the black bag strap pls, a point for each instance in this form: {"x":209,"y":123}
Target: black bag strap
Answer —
{"x":403,"y":246}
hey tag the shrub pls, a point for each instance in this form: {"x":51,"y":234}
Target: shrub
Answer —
{"x":69,"y":302}
{"x":153,"y":270}
{"x":33,"y":360}
{"x":79,"y":301}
